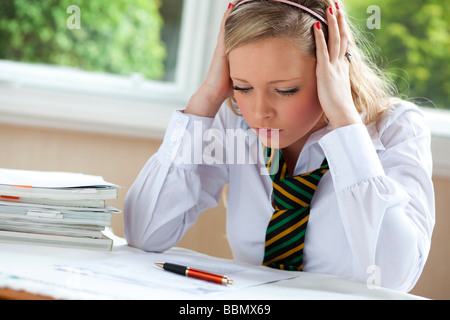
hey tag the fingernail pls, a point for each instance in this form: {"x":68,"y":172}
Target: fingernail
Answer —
{"x":337,"y":5}
{"x":318,"y":25}
{"x":230,"y":5}
{"x":331,"y":10}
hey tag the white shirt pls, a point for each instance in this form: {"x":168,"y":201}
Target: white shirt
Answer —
{"x":371,"y":218}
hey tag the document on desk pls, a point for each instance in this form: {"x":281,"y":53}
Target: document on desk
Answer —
{"x":141,"y":270}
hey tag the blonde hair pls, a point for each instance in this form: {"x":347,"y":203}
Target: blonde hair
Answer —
{"x":262,"y":19}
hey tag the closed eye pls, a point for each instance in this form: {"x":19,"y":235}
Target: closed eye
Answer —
{"x":242,"y":90}
{"x":289,"y":92}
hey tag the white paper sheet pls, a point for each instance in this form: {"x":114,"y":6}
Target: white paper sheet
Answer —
{"x":141,"y":270}
{"x":33,"y":269}
{"x":50,"y":179}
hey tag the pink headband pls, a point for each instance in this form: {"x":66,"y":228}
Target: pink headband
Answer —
{"x":315,"y":14}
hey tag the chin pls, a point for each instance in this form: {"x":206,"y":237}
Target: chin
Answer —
{"x":272,"y":143}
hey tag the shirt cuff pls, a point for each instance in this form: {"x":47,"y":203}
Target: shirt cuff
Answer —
{"x":351,"y":155}
{"x":183,"y":140}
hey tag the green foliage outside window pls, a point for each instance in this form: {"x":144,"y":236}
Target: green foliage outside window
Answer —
{"x":414,"y":44}
{"x":119,"y":37}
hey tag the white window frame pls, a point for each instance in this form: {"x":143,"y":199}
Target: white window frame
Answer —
{"x":66,"y":98}
{"x":439,"y":122}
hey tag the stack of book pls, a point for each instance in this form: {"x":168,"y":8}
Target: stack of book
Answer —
{"x":55,"y":208}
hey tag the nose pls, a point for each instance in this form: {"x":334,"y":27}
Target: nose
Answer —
{"x":263,"y":109}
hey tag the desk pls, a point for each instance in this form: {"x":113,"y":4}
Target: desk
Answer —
{"x":28,"y":272}
{"x":10,"y":294}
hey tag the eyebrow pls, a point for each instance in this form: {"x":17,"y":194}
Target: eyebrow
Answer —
{"x":271,"y":82}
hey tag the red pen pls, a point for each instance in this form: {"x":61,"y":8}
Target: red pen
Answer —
{"x":194,"y":273}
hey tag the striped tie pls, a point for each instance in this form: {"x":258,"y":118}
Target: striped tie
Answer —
{"x":285,"y":235}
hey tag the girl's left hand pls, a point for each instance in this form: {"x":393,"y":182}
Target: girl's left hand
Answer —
{"x":332,"y":71}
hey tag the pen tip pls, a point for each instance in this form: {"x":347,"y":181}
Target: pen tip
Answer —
{"x":160,"y":264}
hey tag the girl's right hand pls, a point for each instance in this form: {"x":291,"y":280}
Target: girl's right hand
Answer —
{"x":217,"y":86}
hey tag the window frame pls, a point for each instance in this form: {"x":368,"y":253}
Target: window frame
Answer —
{"x":66,"y":98}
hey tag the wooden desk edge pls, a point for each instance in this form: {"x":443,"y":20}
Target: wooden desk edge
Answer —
{"x":10,"y":294}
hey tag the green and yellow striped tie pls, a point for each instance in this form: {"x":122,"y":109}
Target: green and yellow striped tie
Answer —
{"x":285,"y":235}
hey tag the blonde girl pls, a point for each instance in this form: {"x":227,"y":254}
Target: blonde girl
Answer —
{"x":291,"y":75}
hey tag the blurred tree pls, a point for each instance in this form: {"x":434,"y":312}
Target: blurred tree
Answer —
{"x":414,"y":44}
{"x":120,"y":36}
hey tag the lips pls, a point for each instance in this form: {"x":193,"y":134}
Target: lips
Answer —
{"x":267,"y":132}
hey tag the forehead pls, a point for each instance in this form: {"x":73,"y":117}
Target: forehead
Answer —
{"x":269,"y":59}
